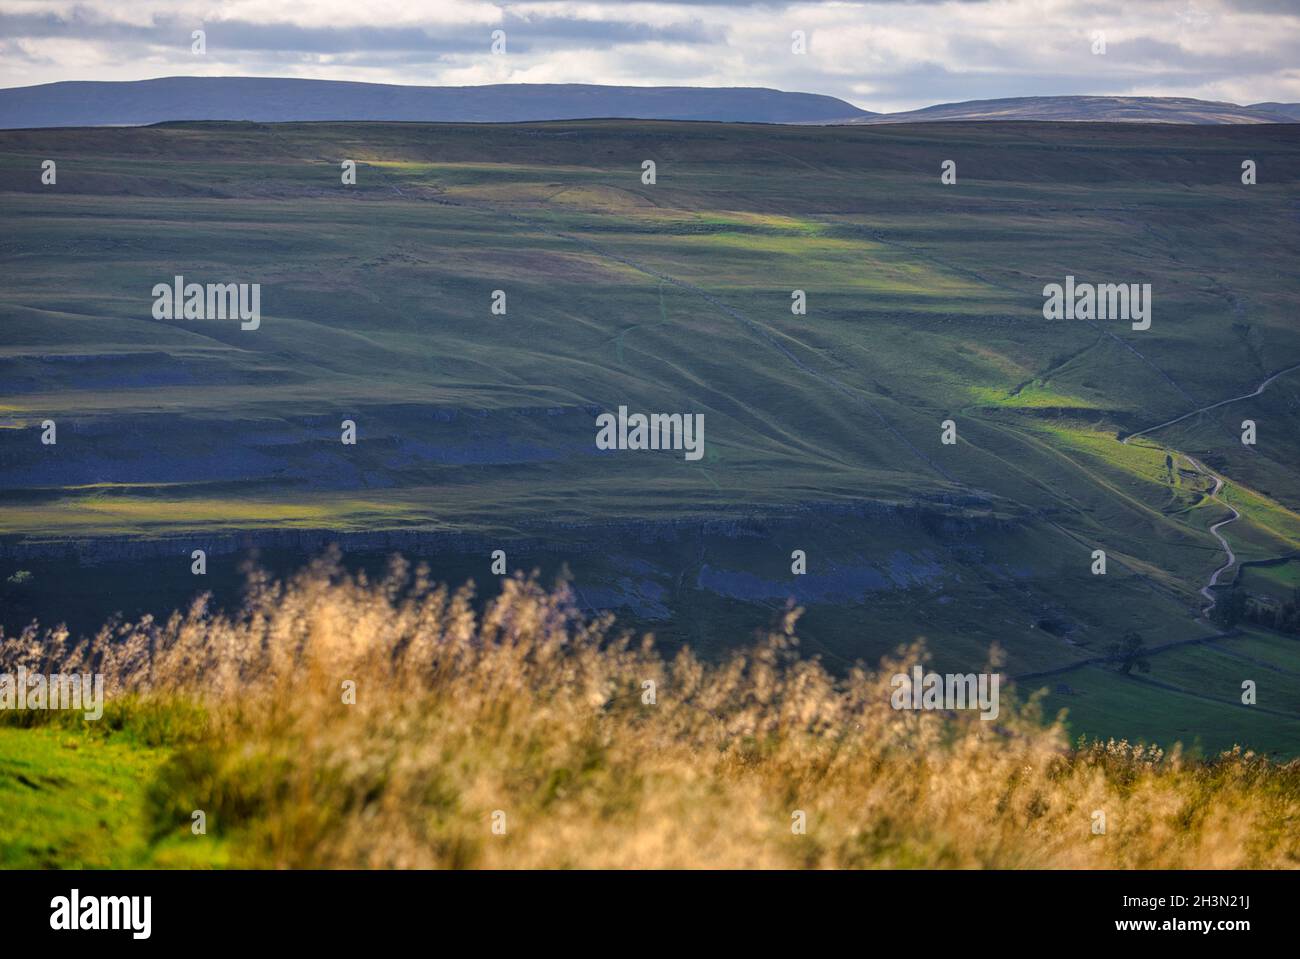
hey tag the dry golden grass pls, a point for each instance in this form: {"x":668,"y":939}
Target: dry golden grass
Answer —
{"x":533,"y":711}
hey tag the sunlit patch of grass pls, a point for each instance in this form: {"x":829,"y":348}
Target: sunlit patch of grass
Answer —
{"x":74,"y":793}
{"x":1270,"y":515}
{"x":70,"y":802}
{"x":764,"y":222}
{"x":105,"y":512}
{"x":1033,"y":396}
{"x":1139,"y":458}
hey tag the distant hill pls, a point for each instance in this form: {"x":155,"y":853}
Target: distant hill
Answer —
{"x":1098,"y":110}
{"x":271,"y":100}
{"x":277,"y":100}
{"x":1290,"y":110}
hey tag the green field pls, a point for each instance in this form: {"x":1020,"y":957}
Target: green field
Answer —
{"x":476,"y":431}
{"x":1192,"y":695}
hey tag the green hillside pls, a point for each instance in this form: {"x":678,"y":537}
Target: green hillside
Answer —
{"x":476,"y":431}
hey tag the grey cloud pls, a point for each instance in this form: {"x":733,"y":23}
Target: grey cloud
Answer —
{"x":970,"y":58}
{"x":523,"y":33}
{"x":1266,"y":6}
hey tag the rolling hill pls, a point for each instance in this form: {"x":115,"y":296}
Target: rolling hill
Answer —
{"x":272,"y":100}
{"x":475,"y":429}
{"x":278,"y":100}
{"x":1097,"y":110}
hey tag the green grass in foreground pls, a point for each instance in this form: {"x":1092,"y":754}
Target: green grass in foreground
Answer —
{"x":76,"y":799}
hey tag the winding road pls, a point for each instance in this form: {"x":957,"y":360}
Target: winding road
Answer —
{"x":1208,"y":589}
{"x":1214,"y":406}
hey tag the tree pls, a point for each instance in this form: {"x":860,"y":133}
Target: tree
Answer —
{"x":1230,"y":609}
{"x":1129,"y":653}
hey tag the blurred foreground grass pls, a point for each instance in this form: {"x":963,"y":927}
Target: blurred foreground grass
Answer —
{"x":537,"y":720}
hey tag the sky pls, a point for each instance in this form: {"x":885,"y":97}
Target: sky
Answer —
{"x":886,"y":56}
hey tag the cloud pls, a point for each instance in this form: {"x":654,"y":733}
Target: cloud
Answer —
{"x":880,"y":55}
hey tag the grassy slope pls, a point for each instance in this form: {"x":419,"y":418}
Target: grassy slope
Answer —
{"x":77,"y":798}
{"x":924,"y":304}
{"x":65,"y":807}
